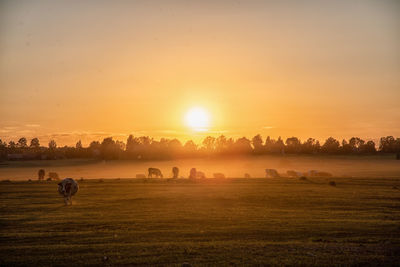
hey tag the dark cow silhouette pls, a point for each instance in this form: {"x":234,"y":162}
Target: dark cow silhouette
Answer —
{"x":175,"y":172}
{"x":67,"y":188}
{"x":156,"y":172}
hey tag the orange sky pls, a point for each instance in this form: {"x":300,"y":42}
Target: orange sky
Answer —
{"x":89,"y":69}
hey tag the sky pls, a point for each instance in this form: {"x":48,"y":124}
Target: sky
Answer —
{"x":73,"y":70}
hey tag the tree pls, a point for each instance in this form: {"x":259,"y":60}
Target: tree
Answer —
{"x":387,"y":144}
{"x":331,"y":145}
{"x":3,"y":149}
{"x":257,"y":143}
{"x":52,"y":145}
{"x":356,"y":144}
{"x":35,"y":143}
{"x":79,"y":145}
{"x":369,"y":147}
{"x":310,"y":146}
{"x":209,"y":143}
{"x":221,"y":144}
{"x":22,"y":143}
{"x":190,"y":147}
{"x":242,"y":146}
{"x":110,"y":149}
{"x":293,"y":145}
{"x":280,"y":146}
{"x":346,"y":148}
{"x":11,"y":145}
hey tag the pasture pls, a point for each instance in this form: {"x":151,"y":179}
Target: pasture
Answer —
{"x":284,"y":221}
{"x":338,"y":165}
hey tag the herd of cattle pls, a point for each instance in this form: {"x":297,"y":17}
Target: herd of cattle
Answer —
{"x":269,"y":173}
{"x":69,"y":187}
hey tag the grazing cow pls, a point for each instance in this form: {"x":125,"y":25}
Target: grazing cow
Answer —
{"x":141,"y":176}
{"x":219,"y":175}
{"x":156,"y":172}
{"x":200,"y":175}
{"x":175,"y":172}
{"x":294,"y":174}
{"x":53,"y":176}
{"x":271,"y":173}
{"x":193,"y":173}
{"x":246,"y":175}
{"x":67,"y":188}
{"x":41,"y":174}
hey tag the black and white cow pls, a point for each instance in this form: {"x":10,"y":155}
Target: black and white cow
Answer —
{"x":156,"y":172}
{"x":67,"y":188}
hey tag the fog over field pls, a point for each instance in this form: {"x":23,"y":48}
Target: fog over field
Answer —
{"x":339,"y":166}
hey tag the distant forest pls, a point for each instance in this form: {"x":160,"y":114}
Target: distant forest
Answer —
{"x":146,"y":148}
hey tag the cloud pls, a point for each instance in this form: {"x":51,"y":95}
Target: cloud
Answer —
{"x":32,"y":125}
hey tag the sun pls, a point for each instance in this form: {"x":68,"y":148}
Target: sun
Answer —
{"x":198,"y":119}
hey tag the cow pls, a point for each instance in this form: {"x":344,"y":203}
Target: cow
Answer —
{"x":271,"y":173}
{"x":219,"y":175}
{"x":156,"y":172}
{"x":193,"y":173}
{"x":200,"y":175}
{"x":41,"y":174}
{"x":175,"y":172}
{"x":67,"y":188}
{"x":53,"y":176}
{"x":294,"y":174}
{"x":141,"y":176}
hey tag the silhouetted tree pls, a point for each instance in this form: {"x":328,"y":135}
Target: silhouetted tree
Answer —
{"x":257,"y":143}
{"x":293,"y":145}
{"x":3,"y":150}
{"x":22,"y":143}
{"x":331,"y":145}
{"x":35,"y":143}
{"x":346,"y":148}
{"x":209,"y":143}
{"x":242,"y":146}
{"x":190,"y":148}
{"x":369,"y":147}
{"x":387,"y":144}
{"x":52,"y":145}
{"x":110,"y":149}
{"x":310,"y":146}
{"x":12,"y":145}
{"x":356,"y":144}
{"x":79,"y":145}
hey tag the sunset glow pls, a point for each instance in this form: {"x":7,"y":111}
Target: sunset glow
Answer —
{"x":198,"y":119}
{"x":101,"y":69}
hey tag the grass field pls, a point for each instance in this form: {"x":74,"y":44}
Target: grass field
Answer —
{"x":235,"y":221}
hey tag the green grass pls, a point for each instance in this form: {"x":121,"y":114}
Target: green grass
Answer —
{"x":237,"y":221}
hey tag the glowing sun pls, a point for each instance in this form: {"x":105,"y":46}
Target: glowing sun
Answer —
{"x":198,"y":119}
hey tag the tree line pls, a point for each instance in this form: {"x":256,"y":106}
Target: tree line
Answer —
{"x":146,"y":148}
